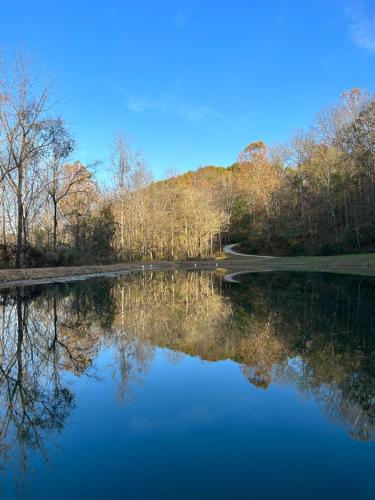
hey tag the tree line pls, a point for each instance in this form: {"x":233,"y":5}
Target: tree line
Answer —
{"x":54,"y":211}
{"x":315,"y":195}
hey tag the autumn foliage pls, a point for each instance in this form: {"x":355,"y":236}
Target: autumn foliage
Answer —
{"x":315,"y":195}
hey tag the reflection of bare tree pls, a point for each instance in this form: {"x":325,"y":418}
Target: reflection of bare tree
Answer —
{"x":132,"y":354}
{"x":74,"y":339}
{"x":33,"y":398}
{"x":43,"y":333}
{"x":311,"y":334}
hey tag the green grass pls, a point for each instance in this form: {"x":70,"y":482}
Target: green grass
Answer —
{"x":361,"y":264}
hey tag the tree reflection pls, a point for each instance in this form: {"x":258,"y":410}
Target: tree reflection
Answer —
{"x":33,"y":398}
{"x":323,"y":329}
{"x":310,"y":330}
{"x":44,"y":332}
{"x":314,"y":331}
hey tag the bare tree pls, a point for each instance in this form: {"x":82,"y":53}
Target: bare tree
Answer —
{"x":28,"y":133}
{"x":131,"y":175}
{"x":62,"y":180}
{"x":122,"y":158}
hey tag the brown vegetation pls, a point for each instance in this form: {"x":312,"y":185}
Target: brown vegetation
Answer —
{"x":313,"y":196}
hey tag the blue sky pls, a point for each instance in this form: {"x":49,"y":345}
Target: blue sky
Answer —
{"x":193,"y":82}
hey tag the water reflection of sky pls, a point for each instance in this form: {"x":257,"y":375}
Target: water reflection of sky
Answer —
{"x":173,"y":425}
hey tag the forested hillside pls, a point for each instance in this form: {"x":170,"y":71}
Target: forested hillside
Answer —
{"x":315,"y":195}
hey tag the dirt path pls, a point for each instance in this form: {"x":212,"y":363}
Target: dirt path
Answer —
{"x":229,"y":249}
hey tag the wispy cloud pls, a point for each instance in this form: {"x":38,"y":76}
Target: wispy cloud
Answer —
{"x":362,"y":28}
{"x":169,"y":102}
{"x":181,"y":18}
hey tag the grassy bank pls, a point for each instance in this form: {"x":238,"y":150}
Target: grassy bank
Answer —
{"x":361,"y":264}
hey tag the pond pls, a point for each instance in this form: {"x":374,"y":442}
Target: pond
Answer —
{"x":179,"y":385}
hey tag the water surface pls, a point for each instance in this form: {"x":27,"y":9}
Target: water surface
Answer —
{"x":179,"y":385}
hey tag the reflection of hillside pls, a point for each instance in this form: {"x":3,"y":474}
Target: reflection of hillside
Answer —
{"x":188,"y":313}
{"x":326,"y":324}
{"x":315,"y":332}
{"x":322,"y":324}
{"x":180,"y":311}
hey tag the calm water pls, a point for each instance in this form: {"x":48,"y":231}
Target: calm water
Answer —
{"x":181,"y":386}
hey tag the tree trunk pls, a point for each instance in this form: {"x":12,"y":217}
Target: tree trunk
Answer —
{"x":19,"y":217}
{"x":3,"y":218}
{"x":54,"y":225}
{"x":122,"y":226}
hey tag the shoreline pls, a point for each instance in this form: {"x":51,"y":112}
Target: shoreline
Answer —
{"x":358,"y":264}
{"x":46,"y":275}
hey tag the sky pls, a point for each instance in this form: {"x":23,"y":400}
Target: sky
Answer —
{"x":192,"y":82}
